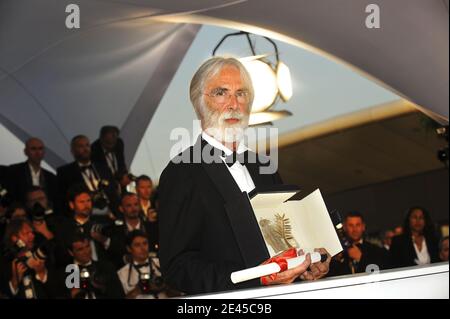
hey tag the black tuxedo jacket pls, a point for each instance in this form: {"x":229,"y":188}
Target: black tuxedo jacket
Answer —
{"x":67,"y":228}
{"x":207,"y":226}
{"x":70,"y":174}
{"x":19,"y":181}
{"x":3,"y":171}
{"x":102,"y":273}
{"x":403,"y":254}
{"x":98,"y":156}
{"x":371,"y":255}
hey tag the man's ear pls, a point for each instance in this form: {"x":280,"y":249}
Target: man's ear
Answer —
{"x":71,"y":205}
{"x":128,"y":249}
{"x":70,"y":252}
{"x":120,"y":209}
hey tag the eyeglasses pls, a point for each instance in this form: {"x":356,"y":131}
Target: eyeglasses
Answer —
{"x":221,"y":95}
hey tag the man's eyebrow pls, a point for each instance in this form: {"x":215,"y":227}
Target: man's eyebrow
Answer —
{"x":220,"y":88}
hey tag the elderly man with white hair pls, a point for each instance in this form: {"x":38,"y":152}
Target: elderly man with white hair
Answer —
{"x":207,"y":226}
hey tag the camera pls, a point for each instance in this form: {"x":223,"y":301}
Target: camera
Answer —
{"x":151,"y":282}
{"x":5,"y":199}
{"x":338,"y":225}
{"x":99,"y":198}
{"x":39,"y":213}
{"x":85,"y":282}
{"x":40,"y":252}
{"x":91,"y":282}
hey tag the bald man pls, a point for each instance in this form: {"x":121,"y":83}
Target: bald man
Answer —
{"x":23,"y":176}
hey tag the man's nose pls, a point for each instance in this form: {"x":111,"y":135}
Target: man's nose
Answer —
{"x":233,"y":103}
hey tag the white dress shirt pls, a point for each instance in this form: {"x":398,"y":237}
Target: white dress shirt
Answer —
{"x":423,"y":257}
{"x":239,"y":172}
{"x":35,"y":176}
{"x":111,"y":160}
{"x":129,"y":276}
{"x":89,"y":177}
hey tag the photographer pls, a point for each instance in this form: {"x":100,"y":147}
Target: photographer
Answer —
{"x":108,"y":151}
{"x":144,"y":190}
{"x":82,"y":221}
{"x":98,"y":279}
{"x":142,"y":276}
{"x":25,"y":266}
{"x":359,"y":253}
{"x":40,"y":212}
{"x":95,"y":176}
{"x":132,"y":220}
{"x":4,"y":200}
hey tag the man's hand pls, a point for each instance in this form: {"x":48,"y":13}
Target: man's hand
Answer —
{"x":99,"y":237}
{"x":152,"y":215}
{"x":289,"y":275}
{"x":354,"y":253}
{"x":124,"y":180}
{"x":318,"y":269}
{"x":41,"y":227}
{"x":39,"y":267}
{"x":18,"y":271}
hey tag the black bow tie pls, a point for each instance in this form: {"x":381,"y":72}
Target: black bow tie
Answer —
{"x":141,"y":265}
{"x":235,"y":157}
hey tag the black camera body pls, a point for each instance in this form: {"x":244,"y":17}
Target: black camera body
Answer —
{"x":91,"y":282}
{"x":99,"y":198}
{"x":5,"y":198}
{"x":39,"y":213}
{"x":39,"y":252}
{"x":339,"y":226}
{"x":151,"y":281}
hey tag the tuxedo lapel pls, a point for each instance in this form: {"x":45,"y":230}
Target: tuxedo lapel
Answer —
{"x":27,"y":175}
{"x":240,"y":214}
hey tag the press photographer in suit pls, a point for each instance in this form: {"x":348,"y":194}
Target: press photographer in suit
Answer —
{"x":23,"y":176}
{"x":360,"y":253}
{"x":96,"y":177}
{"x":26,"y":264}
{"x":108,"y":151}
{"x":207,"y":227}
{"x":131,"y":220}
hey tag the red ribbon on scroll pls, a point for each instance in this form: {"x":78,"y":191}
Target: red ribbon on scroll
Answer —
{"x":280,"y":259}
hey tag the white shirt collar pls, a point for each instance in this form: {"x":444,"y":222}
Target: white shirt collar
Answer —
{"x":215,"y":143}
{"x":82,"y":266}
{"x":130,"y":228}
{"x":32,"y":169}
{"x":84,"y":165}
{"x":147,"y":261}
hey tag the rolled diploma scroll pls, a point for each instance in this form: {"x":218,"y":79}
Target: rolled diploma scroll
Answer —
{"x":268,"y":269}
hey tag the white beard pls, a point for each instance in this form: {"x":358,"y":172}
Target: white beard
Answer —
{"x":216,"y":126}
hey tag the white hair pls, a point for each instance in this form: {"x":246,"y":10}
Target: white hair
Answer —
{"x":207,"y":71}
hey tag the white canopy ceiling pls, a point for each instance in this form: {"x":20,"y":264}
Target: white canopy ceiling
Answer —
{"x":56,"y":82}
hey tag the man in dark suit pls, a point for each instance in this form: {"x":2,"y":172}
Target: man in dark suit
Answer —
{"x":100,"y":283}
{"x":207,"y":226}
{"x":81,"y":221}
{"x":132,"y":220}
{"x":108,"y":150}
{"x":25,"y":275}
{"x":361,"y":253}
{"x":23,"y":176}
{"x":96,"y":177}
